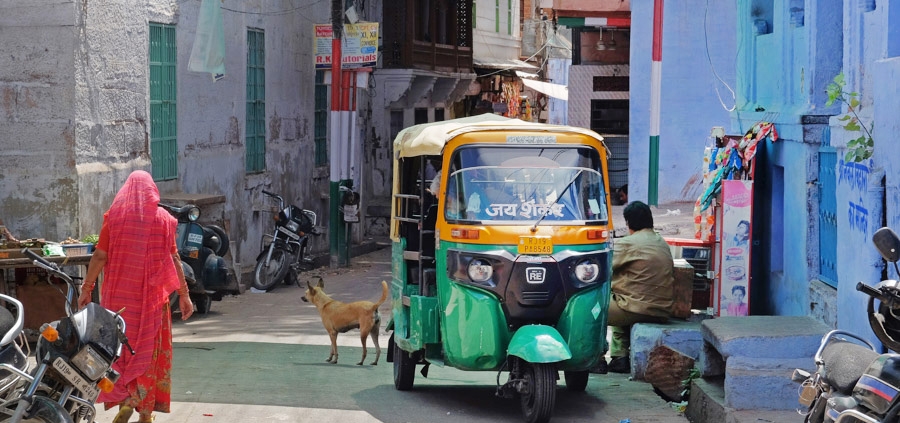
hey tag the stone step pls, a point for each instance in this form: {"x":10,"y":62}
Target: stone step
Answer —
{"x":707,"y":405}
{"x":764,"y":336}
{"x":763,"y":383}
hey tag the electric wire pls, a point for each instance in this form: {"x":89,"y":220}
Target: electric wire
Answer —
{"x":713,"y":68}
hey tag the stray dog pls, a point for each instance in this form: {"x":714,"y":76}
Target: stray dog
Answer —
{"x":338,"y":317}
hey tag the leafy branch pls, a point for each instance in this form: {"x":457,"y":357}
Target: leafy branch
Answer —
{"x":861,"y":148}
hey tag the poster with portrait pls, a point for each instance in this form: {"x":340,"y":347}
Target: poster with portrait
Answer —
{"x":734,"y":263}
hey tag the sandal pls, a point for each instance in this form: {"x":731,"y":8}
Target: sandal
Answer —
{"x":150,"y":419}
{"x":124,"y":414}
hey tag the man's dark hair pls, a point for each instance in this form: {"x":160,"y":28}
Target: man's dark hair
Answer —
{"x":638,"y":216}
{"x":739,"y":288}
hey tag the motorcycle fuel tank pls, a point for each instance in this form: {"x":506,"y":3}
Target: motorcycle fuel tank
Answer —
{"x":878,"y":387}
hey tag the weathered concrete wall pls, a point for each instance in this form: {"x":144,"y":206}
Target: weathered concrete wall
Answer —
{"x":695,"y":92}
{"x":38,"y":187}
{"x":75,"y":114}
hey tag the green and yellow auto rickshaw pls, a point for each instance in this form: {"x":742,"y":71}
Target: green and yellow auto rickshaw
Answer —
{"x":506,"y":265}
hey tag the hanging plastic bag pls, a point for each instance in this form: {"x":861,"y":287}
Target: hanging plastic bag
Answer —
{"x":208,"y":52}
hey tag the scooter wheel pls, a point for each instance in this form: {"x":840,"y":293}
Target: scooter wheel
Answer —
{"x":202,"y":303}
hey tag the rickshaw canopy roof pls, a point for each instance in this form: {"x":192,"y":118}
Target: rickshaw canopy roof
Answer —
{"x":428,"y":139}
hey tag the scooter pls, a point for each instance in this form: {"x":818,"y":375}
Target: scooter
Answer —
{"x":201,"y":248}
{"x":287,"y":251}
{"x":74,"y":362}
{"x":853,"y":382}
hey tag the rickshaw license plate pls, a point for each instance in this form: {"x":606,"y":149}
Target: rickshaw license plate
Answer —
{"x":89,"y":390}
{"x":535,"y":245}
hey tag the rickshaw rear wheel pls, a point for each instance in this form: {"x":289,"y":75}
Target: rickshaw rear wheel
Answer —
{"x":404,"y":369}
{"x":576,"y":381}
{"x":539,"y":397}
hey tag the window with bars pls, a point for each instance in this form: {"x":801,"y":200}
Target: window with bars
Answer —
{"x":163,"y":110}
{"x":496,"y":15}
{"x":509,"y":20}
{"x":256,"y":101}
{"x":321,"y":122}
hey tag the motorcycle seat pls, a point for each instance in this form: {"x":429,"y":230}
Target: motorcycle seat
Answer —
{"x":844,"y":363}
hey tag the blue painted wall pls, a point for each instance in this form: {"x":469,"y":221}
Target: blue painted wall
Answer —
{"x":784,"y":67}
{"x":698,"y":43}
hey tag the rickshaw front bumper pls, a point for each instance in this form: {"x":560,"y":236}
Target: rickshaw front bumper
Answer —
{"x":539,"y":344}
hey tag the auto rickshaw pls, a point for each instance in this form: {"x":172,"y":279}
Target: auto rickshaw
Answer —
{"x":507,"y":266}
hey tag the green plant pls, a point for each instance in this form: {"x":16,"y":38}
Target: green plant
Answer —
{"x":91,"y":239}
{"x":694,"y":373}
{"x":861,"y":148}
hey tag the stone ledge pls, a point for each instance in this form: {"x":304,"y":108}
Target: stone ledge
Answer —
{"x":679,"y":335}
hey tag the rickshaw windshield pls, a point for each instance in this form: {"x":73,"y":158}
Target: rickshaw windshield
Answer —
{"x":520,"y":184}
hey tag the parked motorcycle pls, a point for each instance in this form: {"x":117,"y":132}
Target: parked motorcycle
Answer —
{"x":853,"y":382}
{"x":74,"y":358}
{"x":286,"y":251}
{"x":201,"y":248}
{"x":13,"y":360}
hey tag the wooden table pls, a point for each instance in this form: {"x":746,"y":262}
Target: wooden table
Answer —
{"x":42,"y":302}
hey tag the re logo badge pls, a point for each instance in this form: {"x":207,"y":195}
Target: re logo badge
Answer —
{"x":534,"y":275}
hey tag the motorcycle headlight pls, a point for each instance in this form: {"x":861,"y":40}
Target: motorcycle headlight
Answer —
{"x":587,"y":271}
{"x":480,"y":270}
{"x":193,"y":214}
{"x":292,"y":226}
{"x":90,"y":362}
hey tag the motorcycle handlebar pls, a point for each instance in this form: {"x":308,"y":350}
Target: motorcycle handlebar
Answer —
{"x":868,"y":290}
{"x":269,"y":193}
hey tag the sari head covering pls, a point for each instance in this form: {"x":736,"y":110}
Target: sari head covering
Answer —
{"x":139,"y":274}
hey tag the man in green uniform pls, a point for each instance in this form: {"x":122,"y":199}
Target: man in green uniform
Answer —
{"x":642,"y":281}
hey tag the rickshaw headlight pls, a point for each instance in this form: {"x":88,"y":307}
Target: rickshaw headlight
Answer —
{"x":480,"y":270}
{"x":587,"y":271}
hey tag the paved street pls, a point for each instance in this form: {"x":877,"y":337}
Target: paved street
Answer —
{"x":260,"y":357}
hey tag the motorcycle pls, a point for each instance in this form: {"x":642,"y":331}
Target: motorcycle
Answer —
{"x":201,"y":248}
{"x":287,"y":251}
{"x":13,"y":360}
{"x":74,"y":358}
{"x":853,"y":381}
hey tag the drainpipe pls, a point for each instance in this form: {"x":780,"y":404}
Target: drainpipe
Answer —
{"x":655,"y":84}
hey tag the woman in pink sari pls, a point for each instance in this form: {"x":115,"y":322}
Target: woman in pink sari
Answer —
{"x":141,"y":268}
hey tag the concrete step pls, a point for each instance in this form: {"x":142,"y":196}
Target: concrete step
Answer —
{"x":763,"y":383}
{"x":767,"y":337}
{"x":707,"y":405}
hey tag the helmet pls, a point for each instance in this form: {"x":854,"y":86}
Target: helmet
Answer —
{"x":886,"y":321}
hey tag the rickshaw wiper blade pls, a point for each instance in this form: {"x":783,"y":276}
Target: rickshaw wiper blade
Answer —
{"x":555,"y":200}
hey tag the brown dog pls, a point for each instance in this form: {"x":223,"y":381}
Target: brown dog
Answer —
{"x":338,"y":317}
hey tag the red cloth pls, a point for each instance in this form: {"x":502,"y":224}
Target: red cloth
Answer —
{"x":139,"y":275}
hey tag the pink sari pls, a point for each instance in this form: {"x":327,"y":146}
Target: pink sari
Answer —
{"x":139,"y":275}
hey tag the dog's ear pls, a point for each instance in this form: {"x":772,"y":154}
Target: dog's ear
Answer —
{"x":309,"y":285}
{"x":321,"y":283}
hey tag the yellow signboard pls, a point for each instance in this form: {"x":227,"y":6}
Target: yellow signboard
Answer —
{"x":359,"y":45}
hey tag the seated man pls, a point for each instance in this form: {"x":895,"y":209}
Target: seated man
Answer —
{"x":4,"y":232}
{"x":642,"y":282}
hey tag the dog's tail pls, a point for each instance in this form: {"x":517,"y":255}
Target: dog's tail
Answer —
{"x":384,"y":295}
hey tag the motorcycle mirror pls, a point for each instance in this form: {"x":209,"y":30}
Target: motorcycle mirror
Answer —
{"x":888,"y":244}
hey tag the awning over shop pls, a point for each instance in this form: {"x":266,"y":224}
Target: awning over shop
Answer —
{"x":553,"y":90}
{"x":505,"y":64}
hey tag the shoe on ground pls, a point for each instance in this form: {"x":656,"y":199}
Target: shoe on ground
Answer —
{"x":600,"y":368}
{"x":620,"y":365}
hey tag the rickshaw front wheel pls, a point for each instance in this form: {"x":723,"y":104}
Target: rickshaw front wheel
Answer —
{"x":576,"y":381}
{"x":539,"y":396}
{"x":404,"y":369}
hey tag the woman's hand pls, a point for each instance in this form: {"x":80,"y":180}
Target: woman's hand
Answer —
{"x":186,"y":306}
{"x":85,"y":298}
